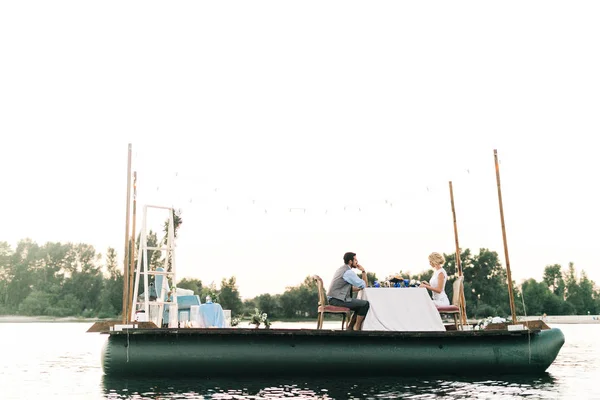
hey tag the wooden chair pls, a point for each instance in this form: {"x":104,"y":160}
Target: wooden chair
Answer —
{"x":454,"y":309}
{"x":325,"y":308}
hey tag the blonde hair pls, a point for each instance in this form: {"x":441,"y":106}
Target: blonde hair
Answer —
{"x":436,"y":258}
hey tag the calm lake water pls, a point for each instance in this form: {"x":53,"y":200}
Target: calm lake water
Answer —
{"x":61,"y":361}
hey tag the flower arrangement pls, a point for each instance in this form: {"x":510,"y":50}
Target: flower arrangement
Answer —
{"x":235,"y":321}
{"x":397,"y":280}
{"x":489,"y":320}
{"x":259,"y":318}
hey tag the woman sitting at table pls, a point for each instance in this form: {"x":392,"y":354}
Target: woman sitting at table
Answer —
{"x":438,"y":280}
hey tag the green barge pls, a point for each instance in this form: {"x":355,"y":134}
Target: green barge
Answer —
{"x":234,"y":352}
{"x":144,"y":349}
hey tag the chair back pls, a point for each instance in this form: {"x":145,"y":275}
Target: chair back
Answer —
{"x":456,"y":290}
{"x":322,"y":300}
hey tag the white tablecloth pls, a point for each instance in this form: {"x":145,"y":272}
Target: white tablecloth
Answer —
{"x":400,"y":309}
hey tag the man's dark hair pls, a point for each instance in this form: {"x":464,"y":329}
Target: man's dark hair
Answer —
{"x":349,"y":257}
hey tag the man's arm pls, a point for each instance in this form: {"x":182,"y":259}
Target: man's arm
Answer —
{"x":364,"y":275}
{"x":354,"y":280}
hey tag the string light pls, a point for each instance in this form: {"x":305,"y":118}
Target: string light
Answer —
{"x":179,"y":183}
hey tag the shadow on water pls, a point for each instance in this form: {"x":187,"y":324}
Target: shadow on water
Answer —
{"x":447,"y":387}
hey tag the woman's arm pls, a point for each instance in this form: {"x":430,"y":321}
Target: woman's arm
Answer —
{"x":440,"y":285}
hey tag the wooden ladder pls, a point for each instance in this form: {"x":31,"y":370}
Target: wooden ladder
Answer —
{"x":165,"y":274}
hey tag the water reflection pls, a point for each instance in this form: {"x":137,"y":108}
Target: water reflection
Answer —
{"x":452,"y":387}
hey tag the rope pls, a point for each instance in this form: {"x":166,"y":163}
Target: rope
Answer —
{"x":528,"y":330}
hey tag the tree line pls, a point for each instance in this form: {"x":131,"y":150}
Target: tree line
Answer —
{"x":67,"y":279}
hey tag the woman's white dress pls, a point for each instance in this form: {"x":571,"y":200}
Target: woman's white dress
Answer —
{"x":439,"y":299}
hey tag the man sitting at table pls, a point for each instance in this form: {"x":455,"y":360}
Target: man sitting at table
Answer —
{"x":344,"y":281}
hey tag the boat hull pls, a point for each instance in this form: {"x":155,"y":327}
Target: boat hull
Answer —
{"x":247,"y":352}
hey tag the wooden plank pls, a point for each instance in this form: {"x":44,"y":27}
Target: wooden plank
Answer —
{"x":104,"y":326}
{"x":532,"y":325}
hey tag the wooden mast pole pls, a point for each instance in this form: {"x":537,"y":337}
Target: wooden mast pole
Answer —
{"x":126,"y":259}
{"x":509,"y":276}
{"x":132,"y":258}
{"x":463,"y":311}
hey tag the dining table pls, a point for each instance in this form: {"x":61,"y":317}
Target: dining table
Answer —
{"x":400,"y":309}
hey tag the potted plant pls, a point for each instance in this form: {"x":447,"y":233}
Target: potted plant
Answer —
{"x":259,"y":318}
{"x":235,"y":321}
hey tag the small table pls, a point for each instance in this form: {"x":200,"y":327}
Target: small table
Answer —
{"x":400,"y":309}
{"x":211,"y":316}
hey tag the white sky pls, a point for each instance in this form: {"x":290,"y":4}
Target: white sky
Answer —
{"x":314,"y":105}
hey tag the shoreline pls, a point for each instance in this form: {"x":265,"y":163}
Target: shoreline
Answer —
{"x":25,"y":319}
{"x":564,"y":319}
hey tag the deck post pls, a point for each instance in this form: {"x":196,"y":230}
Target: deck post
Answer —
{"x":126,"y":258}
{"x":508,"y":274}
{"x":463,"y":306}
{"x":132,"y":260}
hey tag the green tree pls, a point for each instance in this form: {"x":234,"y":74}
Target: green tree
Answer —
{"x":489,"y":281}
{"x":586,"y":293}
{"x":177,"y":221}
{"x":111,"y":298}
{"x":567,"y":309}
{"x":68,"y":306}
{"x":248,"y":307}
{"x":212,"y":291}
{"x":289,"y":303}
{"x":229,"y":296}
{"x":574,"y":296}
{"x":67,"y":280}
{"x":553,"y":278}
{"x":86,"y":280}
{"x":268,"y":304}
{"x":154,"y":256}
{"x":50,"y":265}
{"x":553,"y":305}
{"x":6,"y":255}
{"x":21,"y":275}
{"x":36,"y":303}
{"x":596,"y":302}
{"x":301,"y":300}
{"x":191,"y":284}
{"x":371,"y":278}
{"x":535,"y":296}
{"x":111,"y":265}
